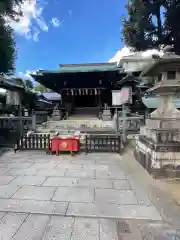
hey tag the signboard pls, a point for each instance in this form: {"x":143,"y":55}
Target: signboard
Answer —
{"x":116,"y":97}
{"x":12,"y":98}
{"x":122,"y":96}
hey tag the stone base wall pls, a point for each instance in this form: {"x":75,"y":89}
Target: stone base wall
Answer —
{"x":156,"y":161}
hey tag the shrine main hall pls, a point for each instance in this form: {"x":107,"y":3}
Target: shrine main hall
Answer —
{"x":83,"y":86}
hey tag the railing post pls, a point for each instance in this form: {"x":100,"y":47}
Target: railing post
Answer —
{"x":86,"y":145}
{"x":33,"y":120}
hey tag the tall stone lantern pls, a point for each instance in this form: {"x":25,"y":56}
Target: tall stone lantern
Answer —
{"x":158,"y":146}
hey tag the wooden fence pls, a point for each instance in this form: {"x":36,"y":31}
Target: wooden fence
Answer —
{"x":102,"y":143}
{"x":92,"y":143}
{"x":34,"y":142}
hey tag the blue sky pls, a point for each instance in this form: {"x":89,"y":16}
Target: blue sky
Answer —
{"x":68,"y":31}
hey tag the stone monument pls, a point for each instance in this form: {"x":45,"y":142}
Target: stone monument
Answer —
{"x":106,"y":115}
{"x":56,"y":114}
{"x":158,"y":145}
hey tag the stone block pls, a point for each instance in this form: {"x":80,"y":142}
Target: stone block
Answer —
{"x":94,"y":183}
{"x":103,"y":210}
{"x":113,"y":172}
{"x":87,"y":229}
{"x":115,"y":196}
{"x":16,"y":172}
{"x":28,"y":180}
{"x":80,"y":173}
{"x":7,"y":191}
{"x":33,"y":228}
{"x":4,"y":171}
{"x":10,"y":224}
{"x":69,"y":166}
{"x":121,"y":184}
{"x":52,"y":172}
{"x":5,"y":179}
{"x":74,"y":194}
{"x":108,"y":229}
{"x":59,"y":228}
{"x":34,"y":193}
{"x":33,"y":206}
{"x":61,"y":182}
{"x":47,"y":165}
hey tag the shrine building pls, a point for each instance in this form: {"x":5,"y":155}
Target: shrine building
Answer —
{"x":87,"y":87}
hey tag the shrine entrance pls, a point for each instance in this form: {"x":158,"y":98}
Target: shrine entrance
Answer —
{"x":85,"y":101}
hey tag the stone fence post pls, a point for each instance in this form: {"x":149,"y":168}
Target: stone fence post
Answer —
{"x":33,"y":120}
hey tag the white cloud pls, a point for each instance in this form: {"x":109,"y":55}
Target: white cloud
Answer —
{"x":55,"y":22}
{"x":125,"y":51}
{"x":26,"y":75}
{"x":32,"y":22}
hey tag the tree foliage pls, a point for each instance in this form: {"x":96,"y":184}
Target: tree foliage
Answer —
{"x":151,"y":24}
{"x":41,"y":88}
{"x":7,"y":43}
{"x":26,"y":84}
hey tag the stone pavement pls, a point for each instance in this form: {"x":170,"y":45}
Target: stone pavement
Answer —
{"x":81,"y":197}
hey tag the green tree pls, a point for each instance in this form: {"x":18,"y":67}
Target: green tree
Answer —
{"x":20,"y":81}
{"x":7,"y":43}
{"x":41,"y":88}
{"x":28,"y":84}
{"x":172,"y":25}
{"x":146,"y":25}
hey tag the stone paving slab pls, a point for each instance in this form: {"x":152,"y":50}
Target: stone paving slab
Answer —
{"x":70,"y":166}
{"x":113,"y":172}
{"x":86,"y":229}
{"x":28,"y":180}
{"x":80,"y":173}
{"x":52,"y":172}
{"x":7,"y":191}
{"x":17,"y":172}
{"x":95,"y":183}
{"x":33,"y":206}
{"x":102,"y":210}
{"x":45,"y":165}
{"x":108,"y":229}
{"x":115,"y":196}
{"x":74,"y":194}
{"x":42,"y":227}
{"x":121,"y":184}
{"x":35,"y":193}
{"x":61,"y":182}
{"x":83,"y":161}
{"x":6,"y":179}
{"x":97,"y":179}
{"x":33,"y":228}
{"x":4,"y":170}
{"x":78,"y":182}
{"x":139,"y":193}
{"x":10,"y":223}
{"x":59,"y":228}
{"x":23,"y":165}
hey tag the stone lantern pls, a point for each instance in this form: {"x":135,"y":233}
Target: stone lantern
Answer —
{"x":158,"y":146}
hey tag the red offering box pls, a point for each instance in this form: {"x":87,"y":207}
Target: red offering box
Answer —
{"x":61,"y":144}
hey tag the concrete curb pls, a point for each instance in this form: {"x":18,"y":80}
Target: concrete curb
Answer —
{"x":153,"y":188}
